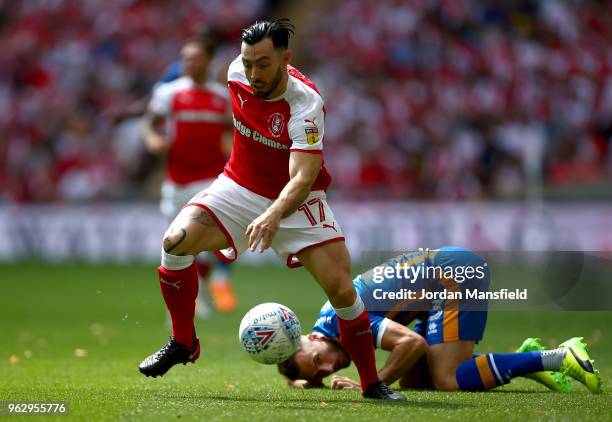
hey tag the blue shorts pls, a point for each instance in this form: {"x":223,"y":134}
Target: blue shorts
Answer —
{"x":446,"y":321}
{"x":452,"y":325}
{"x":441,"y":321}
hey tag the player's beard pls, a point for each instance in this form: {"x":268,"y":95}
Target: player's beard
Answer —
{"x":273,"y":85}
{"x":343,"y":360}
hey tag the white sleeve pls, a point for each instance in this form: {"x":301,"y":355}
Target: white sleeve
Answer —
{"x":381,"y":331}
{"x":161,"y":100}
{"x":306,"y":126}
{"x":235,"y":71}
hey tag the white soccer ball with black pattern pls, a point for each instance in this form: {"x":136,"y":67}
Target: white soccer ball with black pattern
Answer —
{"x":270,"y":333}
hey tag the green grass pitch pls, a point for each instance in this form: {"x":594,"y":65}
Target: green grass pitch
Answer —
{"x":112,"y":316}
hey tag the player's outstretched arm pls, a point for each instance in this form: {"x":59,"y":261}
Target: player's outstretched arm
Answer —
{"x":135,"y":109}
{"x":406,"y":348}
{"x":304,"y":168}
{"x":303,"y":171}
{"x":153,"y":140}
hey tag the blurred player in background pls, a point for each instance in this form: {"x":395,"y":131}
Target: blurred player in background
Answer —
{"x":271,"y":194}
{"x":217,"y":71}
{"x":439,"y":352}
{"x":196,"y":113}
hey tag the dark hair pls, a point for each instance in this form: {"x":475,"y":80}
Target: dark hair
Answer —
{"x":278,"y":31}
{"x":289,"y":368}
{"x":208,"y":39}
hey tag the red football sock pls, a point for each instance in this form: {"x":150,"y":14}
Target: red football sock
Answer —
{"x":180,"y":289}
{"x":356,"y":338}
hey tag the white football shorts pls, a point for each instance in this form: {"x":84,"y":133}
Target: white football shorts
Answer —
{"x":234,"y":207}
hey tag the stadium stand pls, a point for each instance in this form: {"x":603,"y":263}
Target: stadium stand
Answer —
{"x":452,"y":99}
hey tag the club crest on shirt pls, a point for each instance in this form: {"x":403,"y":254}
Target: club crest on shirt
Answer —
{"x":276,"y":123}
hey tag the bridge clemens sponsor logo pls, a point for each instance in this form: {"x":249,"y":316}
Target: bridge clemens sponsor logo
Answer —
{"x":256,"y":136}
{"x":194,"y":116}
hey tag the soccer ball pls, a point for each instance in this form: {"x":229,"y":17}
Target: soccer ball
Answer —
{"x":270,"y":333}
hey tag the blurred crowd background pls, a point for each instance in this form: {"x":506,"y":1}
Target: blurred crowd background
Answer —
{"x":449,"y":99}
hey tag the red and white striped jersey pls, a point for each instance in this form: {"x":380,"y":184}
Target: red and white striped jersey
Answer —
{"x":266,"y":131}
{"x":196,"y":116}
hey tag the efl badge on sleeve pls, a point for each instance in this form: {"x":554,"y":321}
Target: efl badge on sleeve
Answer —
{"x":312,"y":134}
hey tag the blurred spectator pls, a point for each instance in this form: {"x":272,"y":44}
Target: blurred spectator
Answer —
{"x":463,"y":99}
{"x":64,"y":64}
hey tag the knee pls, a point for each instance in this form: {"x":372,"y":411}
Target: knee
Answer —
{"x":177,"y":241}
{"x":419,"y":344}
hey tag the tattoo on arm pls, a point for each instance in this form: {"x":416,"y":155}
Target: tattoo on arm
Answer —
{"x":171,"y":247}
{"x":204,"y":218}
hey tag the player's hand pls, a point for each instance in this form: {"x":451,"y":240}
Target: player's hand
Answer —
{"x":157,"y":145}
{"x":298,"y":384}
{"x":344,"y":383}
{"x":262,"y":230}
